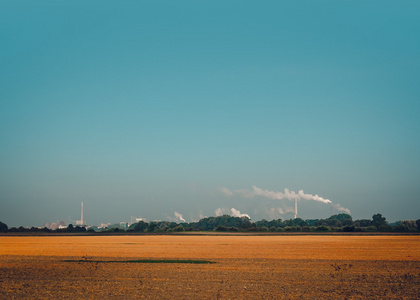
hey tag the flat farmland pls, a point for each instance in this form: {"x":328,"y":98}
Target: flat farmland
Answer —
{"x":242,"y":267}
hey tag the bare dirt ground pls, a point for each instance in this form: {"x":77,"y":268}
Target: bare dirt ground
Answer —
{"x":245,"y":267}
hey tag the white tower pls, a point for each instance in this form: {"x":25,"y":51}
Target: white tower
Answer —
{"x":295,"y":208}
{"x":81,"y":222}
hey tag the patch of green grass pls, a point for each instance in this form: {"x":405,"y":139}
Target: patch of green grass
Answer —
{"x":145,"y":261}
{"x":171,"y":261}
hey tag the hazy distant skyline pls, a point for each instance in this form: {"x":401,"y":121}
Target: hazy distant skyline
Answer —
{"x":154,"y":107}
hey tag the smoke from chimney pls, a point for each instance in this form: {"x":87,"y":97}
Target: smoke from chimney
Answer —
{"x":343,"y":209}
{"x":179,"y":217}
{"x":233,"y":212}
{"x":286,"y":194}
{"x":237,"y":213}
{"x":219,"y":212}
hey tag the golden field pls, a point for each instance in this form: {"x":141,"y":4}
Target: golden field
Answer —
{"x":245,"y":267}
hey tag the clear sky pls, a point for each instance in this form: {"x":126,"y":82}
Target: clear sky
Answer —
{"x":144,"y":108}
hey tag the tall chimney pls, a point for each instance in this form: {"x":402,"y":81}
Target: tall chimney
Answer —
{"x":81,"y":217}
{"x":295,"y":208}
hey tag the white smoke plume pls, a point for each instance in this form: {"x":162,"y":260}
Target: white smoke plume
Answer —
{"x":340,"y":208}
{"x":226,"y":191}
{"x":220,"y":212}
{"x":290,"y":195}
{"x":302,"y":195}
{"x":233,"y":212}
{"x":287,"y":194}
{"x":201,"y":216}
{"x":179,"y":217}
{"x":237,"y":213}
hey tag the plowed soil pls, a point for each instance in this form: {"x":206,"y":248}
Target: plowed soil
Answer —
{"x":245,"y":267}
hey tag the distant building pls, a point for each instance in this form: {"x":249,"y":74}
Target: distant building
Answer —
{"x":136,"y":220}
{"x":81,"y":222}
{"x":56,"y":225}
{"x":104,"y":225}
{"x":123,"y":225}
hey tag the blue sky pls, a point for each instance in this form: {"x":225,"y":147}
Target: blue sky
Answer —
{"x":144,"y":108}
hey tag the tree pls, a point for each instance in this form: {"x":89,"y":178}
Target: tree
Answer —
{"x":306,"y":228}
{"x":220,"y":228}
{"x":322,"y":228}
{"x":139,"y":226}
{"x":151,"y":227}
{"x":162,"y":228}
{"x":371,"y":228}
{"x":328,"y":222}
{"x":401,"y":228}
{"x":378,"y":221}
{"x":410,"y":224}
{"x":340,"y":217}
{"x":363,"y":223}
{"x":262,"y":223}
{"x":178,"y":228}
{"x":80,"y":229}
{"x":3,"y":227}
{"x":348,"y":222}
{"x":348,"y":228}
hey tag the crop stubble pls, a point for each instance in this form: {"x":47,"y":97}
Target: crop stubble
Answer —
{"x":258,"y":267}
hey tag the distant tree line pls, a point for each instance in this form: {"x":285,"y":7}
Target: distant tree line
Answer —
{"x":335,"y":223}
{"x":4,"y":228}
{"x":226,"y":223}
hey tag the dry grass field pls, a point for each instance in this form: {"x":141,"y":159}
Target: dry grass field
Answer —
{"x":245,"y":267}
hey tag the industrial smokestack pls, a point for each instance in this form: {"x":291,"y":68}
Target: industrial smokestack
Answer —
{"x":81,"y":217}
{"x":295,"y":208}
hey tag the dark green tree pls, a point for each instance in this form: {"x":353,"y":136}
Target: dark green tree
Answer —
{"x":340,"y":217}
{"x":3,"y":227}
{"x":378,"y":220}
{"x":220,"y":228}
{"x":401,"y":228}
{"x":151,"y":227}
{"x":348,"y":228}
{"x":328,"y":222}
{"x":178,"y":228}
{"x":363,"y":223}
{"x":263,"y":223}
{"x":322,"y":228}
{"x":139,"y":226}
{"x":347,"y":222}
